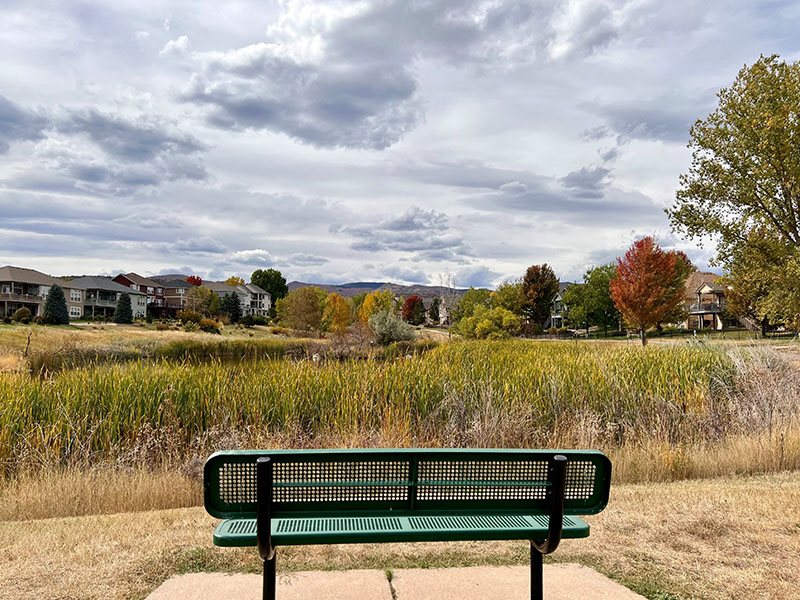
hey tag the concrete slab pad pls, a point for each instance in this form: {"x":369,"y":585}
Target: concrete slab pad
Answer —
{"x":561,"y":582}
{"x":320,"y":585}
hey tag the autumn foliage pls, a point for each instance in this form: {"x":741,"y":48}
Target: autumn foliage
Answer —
{"x":194,"y":280}
{"x":414,"y":310}
{"x":649,"y":284}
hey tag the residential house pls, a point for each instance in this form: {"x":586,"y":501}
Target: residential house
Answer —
{"x":704,"y":301}
{"x":259,"y":301}
{"x":28,"y":288}
{"x":253,"y":300}
{"x":558,"y":310}
{"x":175,"y":292}
{"x":156,"y":302}
{"x":102,"y":293}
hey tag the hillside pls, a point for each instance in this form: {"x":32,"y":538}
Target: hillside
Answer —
{"x":348,"y":290}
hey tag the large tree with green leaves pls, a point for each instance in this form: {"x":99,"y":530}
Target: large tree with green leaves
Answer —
{"x":55,"y":307}
{"x":539,"y":288}
{"x":472,"y":298}
{"x":743,"y":186}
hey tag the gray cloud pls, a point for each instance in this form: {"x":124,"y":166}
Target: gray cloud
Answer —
{"x":404,"y":274}
{"x":18,"y":123}
{"x":587,"y":182}
{"x":145,"y":140}
{"x":477,"y":276}
{"x":425,"y":233}
{"x":667,"y":118}
{"x":200,"y":245}
{"x":355,"y":84}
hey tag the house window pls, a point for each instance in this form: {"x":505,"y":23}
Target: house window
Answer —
{"x":134,"y":287}
{"x":160,"y":291}
{"x":180,"y":291}
{"x":74,"y":312}
{"x":6,"y":288}
{"x":150,"y":290}
{"x":75,"y":296}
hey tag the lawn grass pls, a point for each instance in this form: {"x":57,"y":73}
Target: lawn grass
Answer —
{"x":734,"y":538}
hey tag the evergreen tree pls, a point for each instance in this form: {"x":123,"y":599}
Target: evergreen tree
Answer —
{"x":55,"y":307}
{"x":123,"y":313}
{"x":433,"y":311}
{"x":230,"y":306}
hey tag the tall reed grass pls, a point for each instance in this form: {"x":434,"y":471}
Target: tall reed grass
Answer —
{"x":153,"y":411}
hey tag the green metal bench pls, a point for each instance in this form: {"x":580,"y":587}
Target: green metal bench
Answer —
{"x":276,"y":498}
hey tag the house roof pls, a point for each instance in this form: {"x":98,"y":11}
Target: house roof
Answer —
{"x":252,"y":287}
{"x":696,"y":280}
{"x":219,"y":286}
{"x":139,"y":280}
{"x":176,"y":283}
{"x":102,"y":283}
{"x":713,"y":287}
{"x":21,"y":275}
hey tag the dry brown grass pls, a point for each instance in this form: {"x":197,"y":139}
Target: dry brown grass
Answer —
{"x":729,"y":538}
{"x":98,"y":491}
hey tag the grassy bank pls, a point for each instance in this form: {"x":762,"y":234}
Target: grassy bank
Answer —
{"x":730,"y":538}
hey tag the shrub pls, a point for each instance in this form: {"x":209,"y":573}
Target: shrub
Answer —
{"x":22,"y":315}
{"x":6,"y":319}
{"x":563,"y":331}
{"x":261,"y":320}
{"x":390,"y":328}
{"x":149,"y":317}
{"x":281,"y":331}
{"x":248,"y":321}
{"x":38,"y":320}
{"x":191,"y":326}
{"x":162,"y":327}
{"x":209,"y":325}
{"x":552,"y":331}
{"x":489,"y":323}
{"x":189,"y":316}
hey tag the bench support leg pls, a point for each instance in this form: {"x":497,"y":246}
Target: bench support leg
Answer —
{"x":536,"y":573}
{"x":268,"y":592}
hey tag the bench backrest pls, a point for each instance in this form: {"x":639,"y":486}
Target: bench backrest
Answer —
{"x":419,"y":481}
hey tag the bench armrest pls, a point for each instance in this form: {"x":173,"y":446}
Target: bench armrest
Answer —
{"x":558,"y":478}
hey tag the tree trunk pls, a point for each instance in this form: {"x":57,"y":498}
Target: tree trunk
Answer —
{"x":643,"y":336}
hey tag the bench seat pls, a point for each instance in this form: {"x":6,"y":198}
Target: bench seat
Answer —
{"x":299,"y":531}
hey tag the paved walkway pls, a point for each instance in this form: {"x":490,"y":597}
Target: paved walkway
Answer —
{"x":561,"y":582}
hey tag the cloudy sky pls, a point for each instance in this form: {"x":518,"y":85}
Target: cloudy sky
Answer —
{"x":339,"y":141}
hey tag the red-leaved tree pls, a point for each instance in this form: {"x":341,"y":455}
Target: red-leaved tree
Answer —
{"x":414,"y":310}
{"x":194,"y":280}
{"x":649,"y":284}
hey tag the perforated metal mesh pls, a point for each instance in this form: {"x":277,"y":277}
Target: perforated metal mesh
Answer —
{"x":340,"y":481}
{"x":580,"y":480}
{"x":482,"y":480}
{"x":237,"y":483}
{"x":437,"y":480}
{"x":338,"y":525}
{"x":461,"y":523}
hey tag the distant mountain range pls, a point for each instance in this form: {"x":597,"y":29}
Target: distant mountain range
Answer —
{"x":348,"y":290}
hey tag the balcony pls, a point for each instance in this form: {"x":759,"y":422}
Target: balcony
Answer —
{"x":101,"y":302}
{"x":21,"y":298}
{"x":696,"y":309}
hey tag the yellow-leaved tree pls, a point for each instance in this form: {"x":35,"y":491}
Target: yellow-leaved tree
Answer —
{"x":375,"y":303}
{"x":336,"y":314}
